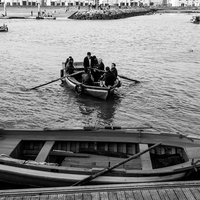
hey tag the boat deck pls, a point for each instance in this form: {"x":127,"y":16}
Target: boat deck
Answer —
{"x":151,"y":191}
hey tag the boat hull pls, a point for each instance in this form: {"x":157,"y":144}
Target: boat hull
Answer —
{"x":51,"y":158}
{"x":36,"y":178}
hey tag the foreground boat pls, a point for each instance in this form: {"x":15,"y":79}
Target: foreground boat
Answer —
{"x":74,"y":81}
{"x":4,"y":28}
{"x":44,"y":158}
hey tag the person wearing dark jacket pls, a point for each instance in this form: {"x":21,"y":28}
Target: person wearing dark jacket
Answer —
{"x":109,"y":77}
{"x":88,"y":61}
{"x":114,"y":70}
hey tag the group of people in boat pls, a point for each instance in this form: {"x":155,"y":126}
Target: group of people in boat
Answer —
{"x":95,"y":71}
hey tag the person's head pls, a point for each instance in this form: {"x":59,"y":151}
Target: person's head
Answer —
{"x":71,"y":60}
{"x":107,"y":69}
{"x":100,"y":60}
{"x":88,"y":54}
{"x":113,"y":65}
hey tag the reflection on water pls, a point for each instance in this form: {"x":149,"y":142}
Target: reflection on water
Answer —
{"x":97,"y":112}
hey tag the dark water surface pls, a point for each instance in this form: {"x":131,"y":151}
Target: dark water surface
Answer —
{"x":162,"y":51}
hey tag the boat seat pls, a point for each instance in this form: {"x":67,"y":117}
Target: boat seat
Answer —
{"x":44,"y":152}
{"x":145,"y":158}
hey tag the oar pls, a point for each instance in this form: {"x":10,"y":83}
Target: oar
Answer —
{"x":55,"y":80}
{"x":108,"y":169}
{"x":33,"y":88}
{"x":121,"y":76}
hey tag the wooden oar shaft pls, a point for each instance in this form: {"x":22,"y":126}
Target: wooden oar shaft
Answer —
{"x":46,"y":83}
{"x":104,"y":171}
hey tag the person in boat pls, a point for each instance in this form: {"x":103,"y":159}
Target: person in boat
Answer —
{"x":87,"y":77}
{"x":69,"y":65}
{"x":88,"y":61}
{"x":100,"y":67}
{"x":114,"y":70}
{"x":94,"y":62}
{"x":108,"y":78}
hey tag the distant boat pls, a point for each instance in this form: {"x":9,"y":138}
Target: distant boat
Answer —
{"x":43,"y":17}
{"x":51,"y":158}
{"x":195,"y":19}
{"x":4,"y":28}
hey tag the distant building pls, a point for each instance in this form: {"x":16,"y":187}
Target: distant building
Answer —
{"x":98,"y":2}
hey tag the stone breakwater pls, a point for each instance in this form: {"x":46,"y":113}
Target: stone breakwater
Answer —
{"x":109,"y":14}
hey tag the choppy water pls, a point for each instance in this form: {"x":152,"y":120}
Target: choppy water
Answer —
{"x":162,"y":51}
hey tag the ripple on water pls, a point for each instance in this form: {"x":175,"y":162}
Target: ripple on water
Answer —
{"x":162,"y":51}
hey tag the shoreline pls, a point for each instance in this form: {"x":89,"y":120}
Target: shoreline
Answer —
{"x":73,"y":12}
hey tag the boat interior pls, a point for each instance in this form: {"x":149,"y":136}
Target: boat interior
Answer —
{"x":88,"y":155}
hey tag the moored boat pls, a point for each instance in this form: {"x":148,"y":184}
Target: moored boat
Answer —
{"x":74,"y":81}
{"x":43,"y":17}
{"x":195,"y":19}
{"x":50,"y":158}
{"x":4,"y":28}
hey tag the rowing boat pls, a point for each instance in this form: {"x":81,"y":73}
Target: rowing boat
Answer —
{"x":4,"y":28}
{"x":51,"y":158}
{"x":74,"y":81}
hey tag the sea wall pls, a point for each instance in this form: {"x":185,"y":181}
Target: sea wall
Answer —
{"x":108,"y":14}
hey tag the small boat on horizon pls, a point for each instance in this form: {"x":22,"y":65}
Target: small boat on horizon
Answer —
{"x":195,"y":19}
{"x":4,"y":28}
{"x":95,"y":155}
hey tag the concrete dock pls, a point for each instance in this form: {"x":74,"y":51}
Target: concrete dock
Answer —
{"x":189,"y":190}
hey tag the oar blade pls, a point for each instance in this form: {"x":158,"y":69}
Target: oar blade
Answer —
{"x":130,"y":79}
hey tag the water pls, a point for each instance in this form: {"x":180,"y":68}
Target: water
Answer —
{"x":162,"y":51}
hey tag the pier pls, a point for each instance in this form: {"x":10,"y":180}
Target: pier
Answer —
{"x":189,"y":190}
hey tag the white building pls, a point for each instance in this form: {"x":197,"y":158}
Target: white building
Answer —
{"x":104,"y":2}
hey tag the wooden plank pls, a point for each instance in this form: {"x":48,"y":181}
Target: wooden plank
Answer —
{"x":129,"y":195}
{"x":138,"y":195}
{"x":43,"y":154}
{"x":78,"y":196}
{"x":180,"y":194}
{"x":112,"y":195}
{"x":188,"y":194}
{"x":7,"y":146}
{"x":42,"y":197}
{"x":195,"y":193}
{"x":104,"y":195}
{"x":95,"y":196}
{"x":68,"y":196}
{"x":171,"y":194}
{"x":53,"y":197}
{"x":145,"y":158}
{"x":29,"y":198}
{"x":163,"y":194}
{"x":154,"y":194}
{"x":35,"y":197}
{"x":121,"y":195}
{"x":60,"y":196}
{"x":87,"y":196}
{"x":146,"y":195}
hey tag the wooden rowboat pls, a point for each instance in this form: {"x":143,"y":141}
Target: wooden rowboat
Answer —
{"x":3,"y":28}
{"x":195,"y":19}
{"x":74,"y":81}
{"x":44,"y":158}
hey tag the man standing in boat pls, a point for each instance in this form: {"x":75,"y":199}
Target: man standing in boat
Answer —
{"x":88,"y":61}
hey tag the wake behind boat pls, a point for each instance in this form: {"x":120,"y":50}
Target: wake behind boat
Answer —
{"x":74,"y":81}
{"x":110,"y":155}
